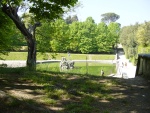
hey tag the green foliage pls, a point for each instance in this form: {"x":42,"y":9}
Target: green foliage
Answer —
{"x":143,"y":34}
{"x":58,"y":36}
{"x":135,"y":40}
{"x":58,"y":56}
{"x":27,"y":19}
{"x":109,"y":17}
{"x":114,"y":31}
{"x":102,"y":37}
{"x":86,"y":45}
{"x":80,"y":68}
{"x":38,"y":10}
{"x":75,"y":36}
{"x":10,"y":37}
{"x":142,"y":49}
{"x":70,"y":20}
{"x":55,"y":34}
{"x":49,"y":9}
{"x":6,"y":30}
{"x":80,"y":37}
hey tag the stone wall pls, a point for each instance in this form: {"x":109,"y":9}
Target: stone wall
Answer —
{"x":143,"y":65}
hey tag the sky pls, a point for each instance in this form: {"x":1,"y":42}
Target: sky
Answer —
{"x":130,"y":11}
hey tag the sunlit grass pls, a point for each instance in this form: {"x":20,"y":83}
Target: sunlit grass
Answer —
{"x":80,"y":68}
{"x":58,"y":56}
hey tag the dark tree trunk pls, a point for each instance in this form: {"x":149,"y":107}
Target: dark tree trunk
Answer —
{"x":31,"y":58}
{"x":138,"y":66}
{"x":30,"y":37}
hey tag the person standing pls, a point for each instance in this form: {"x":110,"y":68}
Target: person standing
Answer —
{"x":102,"y":73}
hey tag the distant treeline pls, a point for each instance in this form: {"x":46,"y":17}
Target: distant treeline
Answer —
{"x":73,"y":36}
{"x":77,"y":37}
{"x":135,"y":39}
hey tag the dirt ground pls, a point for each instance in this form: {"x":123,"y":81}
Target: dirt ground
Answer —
{"x":136,"y":96}
{"x":130,"y":96}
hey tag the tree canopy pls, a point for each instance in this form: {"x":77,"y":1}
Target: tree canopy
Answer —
{"x":135,"y":39}
{"x":70,"y":19}
{"x":46,"y":9}
{"x":109,"y":17}
{"x":78,"y":37}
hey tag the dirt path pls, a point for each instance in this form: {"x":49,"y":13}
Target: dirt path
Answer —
{"x":137,"y":95}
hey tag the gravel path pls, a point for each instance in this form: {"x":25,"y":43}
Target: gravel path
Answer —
{"x":14,"y":63}
{"x":123,"y":71}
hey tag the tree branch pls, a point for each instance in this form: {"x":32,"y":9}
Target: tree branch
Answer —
{"x":12,"y":13}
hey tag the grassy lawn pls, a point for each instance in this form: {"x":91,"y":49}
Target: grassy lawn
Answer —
{"x":80,"y":68}
{"x":45,"y":92}
{"x":23,"y":56}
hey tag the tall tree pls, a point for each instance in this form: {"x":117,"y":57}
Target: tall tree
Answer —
{"x":102,"y":37}
{"x":109,"y":17}
{"x":75,"y":36}
{"x":70,"y":19}
{"x":128,"y":40}
{"x":74,"y":18}
{"x":46,"y":9}
{"x":88,"y":31}
{"x":114,"y":30}
{"x":60,"y":36}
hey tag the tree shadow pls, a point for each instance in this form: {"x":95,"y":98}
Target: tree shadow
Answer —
{"x":82,"y":93}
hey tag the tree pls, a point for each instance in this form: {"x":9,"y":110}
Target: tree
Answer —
{"x":44,"y":36}
{"x":74,"y":18}
{"x":70,"y":19}
{"x":102,"y":38}
{"x":128,"y":40}
{"x":46,"y":9}
{"x":75,"y":36}
{"x":6,"y":30}
{"x":86,"y":45}
{"x":109,"y":17}
{"x":143,"y":34}
{"x":89,"y":35}
{"x":55,"y":35}
{"x":60,"y":36}
{"x":114,"y":30}
{"x":17,"y":40}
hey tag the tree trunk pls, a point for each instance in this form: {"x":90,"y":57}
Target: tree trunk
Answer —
{"x":31,"y":58}
{"x":30,"y":38}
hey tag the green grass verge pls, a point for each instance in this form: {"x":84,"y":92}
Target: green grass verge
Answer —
{"x":23,"y":56}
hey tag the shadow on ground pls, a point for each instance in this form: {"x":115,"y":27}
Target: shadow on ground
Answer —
{"x":72,"y":94}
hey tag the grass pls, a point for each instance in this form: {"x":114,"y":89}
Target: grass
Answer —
{"x":23,"y":56}
{"x":73,"y":93}
{"x":77,"y":90}
{"x":80,"y":68}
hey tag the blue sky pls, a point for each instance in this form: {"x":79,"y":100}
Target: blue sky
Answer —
{"x":130,"y":11}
